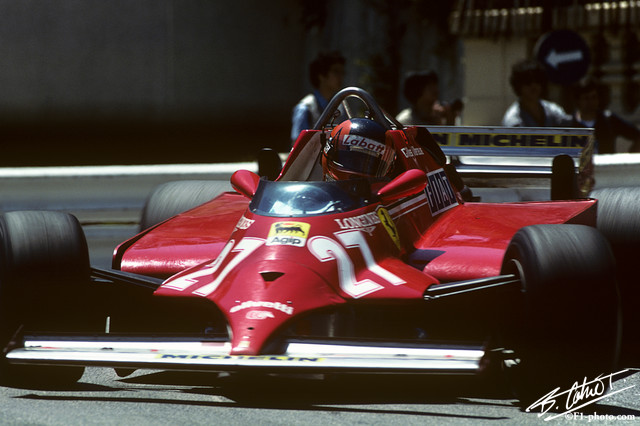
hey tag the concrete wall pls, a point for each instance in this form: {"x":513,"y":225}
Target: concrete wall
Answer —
{"x":138,"y":81}
{"x":131,"y":81}
{"x":487,"y":66}
{"x":149,"y":57}
{"x":426,"y":48}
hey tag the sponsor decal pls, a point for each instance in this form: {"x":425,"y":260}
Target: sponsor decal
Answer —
{"x":259,"y":315}
{"x":243,"y":357}
{"x":288,"y":233}
{"x":388,"y":224}
{"x":365,"y":222}
{"x":244,"y":223}
{"x":439,"y":192}
{"x":403,"y":207}
{"x":410,"y":152}
{"x":499,"y":140}
{"x":364,"y":144}
{"x":260,"y":304}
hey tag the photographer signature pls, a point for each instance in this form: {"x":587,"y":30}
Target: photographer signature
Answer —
{"x":589,"y":391}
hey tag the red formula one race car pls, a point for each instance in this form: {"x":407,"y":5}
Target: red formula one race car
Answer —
{"x":310,"y":273}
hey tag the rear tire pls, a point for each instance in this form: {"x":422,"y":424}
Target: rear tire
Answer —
{"x":618,"y":217}
{"x":44,"y":270}
{"x":564,"y":324}
{"x":172,"y":198}
{"x":619,"y":222}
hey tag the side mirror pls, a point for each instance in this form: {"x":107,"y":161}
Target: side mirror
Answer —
{"x":245,"y":182}
{"x":408,"y":183}
{"x":269,"y":163}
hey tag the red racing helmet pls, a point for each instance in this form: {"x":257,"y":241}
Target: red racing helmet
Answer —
{"x":357,"y":148}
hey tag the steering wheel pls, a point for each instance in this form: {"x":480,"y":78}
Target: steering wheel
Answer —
{"x":385,"y":120}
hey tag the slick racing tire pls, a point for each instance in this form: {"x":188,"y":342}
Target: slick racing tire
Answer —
{"x":172,"y":198}
{"x":564,"y":323}
{"x":619,"y":222}
{"x":44,"y":270}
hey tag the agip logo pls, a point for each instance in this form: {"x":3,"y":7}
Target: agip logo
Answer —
{"x":288,"y":233}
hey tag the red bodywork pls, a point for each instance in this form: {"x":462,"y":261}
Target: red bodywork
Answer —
{"x":262,"y":271}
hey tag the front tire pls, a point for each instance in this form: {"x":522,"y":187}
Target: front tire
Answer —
{"x":172,"y":198}
{"x":564,"y":324}
{"x":44,"y":269}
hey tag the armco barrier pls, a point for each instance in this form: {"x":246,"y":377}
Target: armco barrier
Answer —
{"x":125,"y":188}
{"x":90,"y":191}
{"x":613,"y":170}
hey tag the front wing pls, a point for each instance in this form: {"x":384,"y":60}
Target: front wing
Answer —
{"x":212,"y":355}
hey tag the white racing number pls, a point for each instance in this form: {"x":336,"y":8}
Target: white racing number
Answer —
{"x":326,"y":249}
{"x":351,"y":239}
{"x":185,"y":281}
{"x":245,"y":247}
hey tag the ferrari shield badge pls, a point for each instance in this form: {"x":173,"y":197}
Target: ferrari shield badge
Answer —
{"x":288,"y":233}
{"x":388,"y":224}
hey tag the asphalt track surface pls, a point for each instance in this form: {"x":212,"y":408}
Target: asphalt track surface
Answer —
{"x":149,"y":397}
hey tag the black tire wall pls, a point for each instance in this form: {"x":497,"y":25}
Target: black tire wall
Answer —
{"x":44,"y":284}
{"x":172,"y":198}
{"x":564,"y":324}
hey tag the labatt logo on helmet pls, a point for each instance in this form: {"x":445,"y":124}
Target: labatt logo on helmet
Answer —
{"x":362,"y":143}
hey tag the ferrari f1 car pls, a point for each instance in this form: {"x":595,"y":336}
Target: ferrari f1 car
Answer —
{"x":395,"y":275}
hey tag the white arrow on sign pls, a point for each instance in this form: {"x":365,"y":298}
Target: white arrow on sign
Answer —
{"x":554,"y":58}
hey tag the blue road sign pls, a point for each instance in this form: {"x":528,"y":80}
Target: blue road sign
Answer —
{"x":565,"y":55}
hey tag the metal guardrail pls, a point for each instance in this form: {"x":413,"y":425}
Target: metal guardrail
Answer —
{"x":126,"y":188}
{"x":90,"y":192}
{"x":212,"y":171}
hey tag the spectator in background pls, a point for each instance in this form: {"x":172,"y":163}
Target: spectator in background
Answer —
{"x":529,"y":83}
{"x":326,"y":73}
{"x":590,"y":112}
{"x":421,"y":90}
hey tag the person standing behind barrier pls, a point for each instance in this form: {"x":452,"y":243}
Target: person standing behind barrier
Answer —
{"x":421,"y":90}
{"x":529,"y":82}
{"x":590,"y":112}
{"x":326,"y":73}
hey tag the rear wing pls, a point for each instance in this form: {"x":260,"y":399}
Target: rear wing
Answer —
{"x":527,"y":152}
